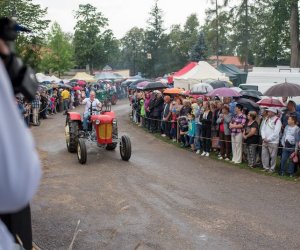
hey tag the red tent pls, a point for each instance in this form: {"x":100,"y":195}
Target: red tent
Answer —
{"x":186,"y":69}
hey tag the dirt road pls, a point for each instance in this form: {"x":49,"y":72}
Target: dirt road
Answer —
{"x":164,"y":198}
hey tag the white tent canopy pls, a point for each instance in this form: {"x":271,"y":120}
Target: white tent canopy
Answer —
{"x":201,"y":72}
{"x":43,"y":78}
{"x":55,"y":79}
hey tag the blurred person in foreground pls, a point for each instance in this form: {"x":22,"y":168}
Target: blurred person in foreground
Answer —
{"x":20,"y":170}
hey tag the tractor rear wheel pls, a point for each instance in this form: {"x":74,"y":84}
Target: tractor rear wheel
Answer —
{"x":125,"y":148}
{"x":71,"y":132}
{"x":81,"y":151}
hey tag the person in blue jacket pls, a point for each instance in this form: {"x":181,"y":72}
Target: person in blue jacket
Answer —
{"x":191,"y":133}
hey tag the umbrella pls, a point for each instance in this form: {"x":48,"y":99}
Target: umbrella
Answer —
{"x":67,"y":86}
{"x":134,"y":83}
{"x":202,"y":88}
{"x":188,"y":93}
{"x":284,"y":89}
{"x":270,"y":102}
{"x":251,"y":91}
{"x":42,"y":87}
{"x":173,"y":91}
{"x":248,"y":104}
{"x":251,"y":95}
{"x":60,"y":84}
{"x":81,"y":82}
{"x":155,"y":85}
{"x":141,"y":85}
{"x":236,"y":89}
{"x":77,"y":88}
{"x":224,"y":92}
{"x":219,"y":84}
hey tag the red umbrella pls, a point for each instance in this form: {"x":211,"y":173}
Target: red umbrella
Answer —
{"x":224,"y":92}
{"x":81,"y":82}
{"x":77,"y":88}
{"x":270,"y":102}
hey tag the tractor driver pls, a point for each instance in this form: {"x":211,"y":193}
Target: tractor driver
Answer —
{"x":90,"y":102}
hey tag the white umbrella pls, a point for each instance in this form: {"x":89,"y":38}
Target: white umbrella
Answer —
{"x":202,"y":88}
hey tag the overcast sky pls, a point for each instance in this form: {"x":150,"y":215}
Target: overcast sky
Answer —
{"x":125,"y":14}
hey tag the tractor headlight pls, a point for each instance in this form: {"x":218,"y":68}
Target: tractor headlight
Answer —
{"x":114,"y":122}
{"x":97,"y":122}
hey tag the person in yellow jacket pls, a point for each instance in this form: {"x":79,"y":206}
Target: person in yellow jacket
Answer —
{"x":65,"y":94}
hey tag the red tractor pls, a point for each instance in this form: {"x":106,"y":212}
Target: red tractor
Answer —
{"x":102,"y":130}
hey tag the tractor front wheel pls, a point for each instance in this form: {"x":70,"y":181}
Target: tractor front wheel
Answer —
{"x":125,"y":148}
{"x":81,"y":151}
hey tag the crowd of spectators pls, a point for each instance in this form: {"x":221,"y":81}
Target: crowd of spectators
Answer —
{"x":258,"y":138}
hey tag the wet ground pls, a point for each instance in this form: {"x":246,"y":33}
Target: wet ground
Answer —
{"x":163,"y":198}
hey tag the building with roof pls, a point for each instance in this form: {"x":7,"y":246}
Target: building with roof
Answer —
{"x":234,"y":60}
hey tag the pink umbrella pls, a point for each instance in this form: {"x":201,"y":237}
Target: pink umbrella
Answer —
{"x":81,"y":82}
{"x":77,"y":88}
{"x":270,"y":102}
{"x":141,"y":85}
{"x":224,"y":92}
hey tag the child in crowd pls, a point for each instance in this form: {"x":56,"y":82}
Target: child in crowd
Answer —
{"x":52,"y":105}
{"x":190,"y":135}
{"x":195,"y":108}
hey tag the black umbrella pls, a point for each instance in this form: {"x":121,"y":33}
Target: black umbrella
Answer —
{"x":67,"y":86}
{"x":252,"y":91}
{"x":134,"y":84}
{"x":248,"y":104}
{"x":126,"y":83}
{"x":284,"y":89}
{"x":219,"y":84}
{"x":251,"y":95}
{"x":155,"y":85}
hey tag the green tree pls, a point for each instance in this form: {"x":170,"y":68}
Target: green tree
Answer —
{"x":222,"y":45}
{"x":58,"y":55}
{"x":190,"y":34}
{"x":88,"y":37}
{"x":199,"y":50}
{"x":270,"y":38}
{"x":181,"y":42}
{"x":133,"y":51}
{"x":178,"y":51}
{"x":156,"y":42}
{"x":264,"y":33}
{"x":111,"y":48}
{"x":32,"y":16}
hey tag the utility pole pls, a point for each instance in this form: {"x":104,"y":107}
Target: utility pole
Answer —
{"x":246,"y":37}
{"x":217,"y":24}
{"x":14,"y":11}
